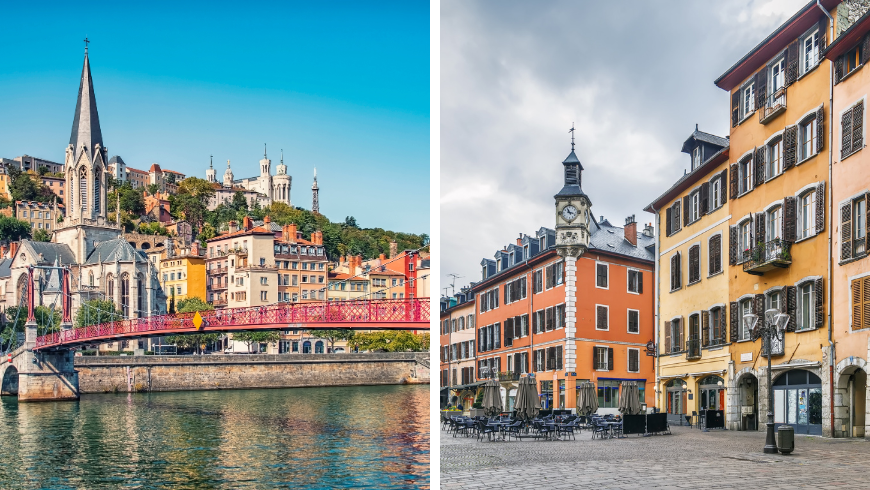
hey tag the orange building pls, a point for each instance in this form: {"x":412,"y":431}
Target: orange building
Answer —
{"x":524,"y":321}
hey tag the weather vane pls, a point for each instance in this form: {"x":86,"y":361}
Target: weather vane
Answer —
{"x":572,"y":136}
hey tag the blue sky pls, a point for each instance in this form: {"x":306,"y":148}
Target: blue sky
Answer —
{"x":343,"y":86}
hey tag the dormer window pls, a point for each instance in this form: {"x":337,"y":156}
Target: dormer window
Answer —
{"x":852,"y":60}
{"x":696,"y":157}
{"x":498,"y":264}
{"x":809,"y":51}
{"x":544,"y":243}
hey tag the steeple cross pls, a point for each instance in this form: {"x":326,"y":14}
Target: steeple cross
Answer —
{"x":86,"y":44}
{"x":572,"y":136}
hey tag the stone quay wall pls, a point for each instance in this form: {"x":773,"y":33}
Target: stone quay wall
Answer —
{"x":102,"y":374}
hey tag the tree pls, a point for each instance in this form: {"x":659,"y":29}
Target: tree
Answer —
{"x":41,"y":235}
{"x":13,"y":230}
{"x":152,"y":189}
{"x":390,"y":341}
{"x":208,"y":232}
{"x":251,"y":338}
{"x":350,"y":221}
{"x":194,"y":304}
{"x":332,"y":336}
{"x":26,"y":187}
{"x":132,"y":200}
{"x":239,"y":202}
{"x":42,"y":170}
{"x":16,"y":317}
{"x":196,"y":341}
{"x":191,"y":201}
{"x":170,"y":179}
{"x":47,"y":319}
{"x":97,"y":311}
{"x":153,"y":228}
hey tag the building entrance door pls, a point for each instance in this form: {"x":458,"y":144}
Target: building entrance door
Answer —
{"x":797,"y":401}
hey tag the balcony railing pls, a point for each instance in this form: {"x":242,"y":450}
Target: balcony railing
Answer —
{"x":693,"y":349}
{"x":767,"y":256}
{"x":715,"y":342}
{"x":508,"y":376}
{"x":774,"y":105}
{"x":252,"y":267}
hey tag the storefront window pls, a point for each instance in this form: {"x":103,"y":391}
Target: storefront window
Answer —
{"x":608,"y":394}
{"x":797,"y":400}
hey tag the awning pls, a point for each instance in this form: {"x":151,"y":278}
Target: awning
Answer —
{"x":469,"y":385}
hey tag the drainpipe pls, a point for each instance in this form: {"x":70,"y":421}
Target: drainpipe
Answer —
{"x":658,"y":304}
{"x":830,"y":186}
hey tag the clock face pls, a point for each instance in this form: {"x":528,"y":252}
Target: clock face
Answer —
{"x":569,"y":213}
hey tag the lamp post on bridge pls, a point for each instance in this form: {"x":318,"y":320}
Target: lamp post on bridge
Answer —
{"x":775,"y":324}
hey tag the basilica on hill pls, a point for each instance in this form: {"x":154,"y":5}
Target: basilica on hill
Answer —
{"x":103,"y":264}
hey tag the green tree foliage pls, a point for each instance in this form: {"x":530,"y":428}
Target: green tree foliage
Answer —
{"x":251,"y":338}
{"x":153,"y":228}
{"x":191,"y":201}
{"x":42,"y":170}
{"x":24,"y":186}
{"x":152,"y":188}
{"x":390,"y":341}
{"x":41,"y":235}
{"x":194,"y":341}
{"x":97,"y":311}
{"x":47,"y":319}
{"x":16,"y":317}
{"x":170,"y":178}
{"x":194,"y":304}
{"x":350,"y":221}
{"x":132,"y":200}
{"x":208,"y":232}
{"x":332,"y":336}
{"x":12,"y":230}
{"x":239,"y":202}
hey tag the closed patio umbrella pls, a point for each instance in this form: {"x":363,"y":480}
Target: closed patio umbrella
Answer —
{"x":587,"y":399}
{"x":629,"y":400}
{"x":527,"y":403}
{"x":492,"y":398}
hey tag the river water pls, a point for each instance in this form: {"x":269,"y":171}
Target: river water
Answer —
{"x":361,"y":437}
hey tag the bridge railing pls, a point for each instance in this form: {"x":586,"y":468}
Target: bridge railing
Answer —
{"x":380,"y":311}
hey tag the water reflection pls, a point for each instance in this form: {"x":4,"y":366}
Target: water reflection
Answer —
{"x":362,"y":437}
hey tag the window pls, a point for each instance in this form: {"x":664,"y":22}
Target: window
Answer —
{"x":809,"y":51}
{"x":608,"y":393}
{"x":745,"y":309}
{"x":805,"y":306}
{"x":774,"y":159}
{"x":806,"y":211}
{"x":716,"y":197}
{"x":714,"y":255}
{"x":696,"y":157}
{"x":560,"y":316}
{"x":695,"y":206}
{"x":538,"y":281}
{"x":674,"y":223}
{"x":807,"y":144}
{"x":264,"y":281}
{"x":745,"y":173}
{"x":515,"y":290}
{"x":777,"y":77}
{"x":860,"y":303}
{"x":602,"y":358}
{"x":555,"y":274}
{"x":635,"y":281}
{"x":747,"y":100}
{"x":694,"y":264}
{"x":745,"y":240}
{"x":264,"y":295}
{"x":852,"y":60}
{"x":717,"y":327}
{"x":633,"y":321}
{"x":601,"y":275}
{"x":634,"y":360}
{"x":602,"y":320}
{"x":774,"y":223}
{"x":538,"y":321}
{"x":675,"y":272}
{"x":852,"y":130}
{"x":859,"y":225}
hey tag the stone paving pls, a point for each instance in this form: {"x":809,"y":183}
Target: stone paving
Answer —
{"x":688,"y":458}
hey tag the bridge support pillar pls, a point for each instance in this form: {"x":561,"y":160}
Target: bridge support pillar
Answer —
{"x":45,"y":376}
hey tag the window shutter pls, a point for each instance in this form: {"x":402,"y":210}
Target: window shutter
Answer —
{"x":518,"y":327}
{"x":789,"y":219}
{"x":865,"y":314}
{"x":791,"y":63}
{"x":838,"y":70}
{"x":668,"y":219}
{"x":865,"y":49}
{"x":858,"y":126}
{"x":507,"y":288}
{"x":735,"y":107}
{"x":820,"y":207}
{"x":509,"y":332}
{"x":789,"y":147}
{"x":820,"y":128}
{"x":551,"y":323}
{"x":495,"y":298}
{"x":694,"y":264}
{"x":791,"y":308}
{"x":819,"y":293}
{"x":724,"y":177}
{"x":758,"y":309}
{"x":732,"y":245}
{"x":705,"y":328}
{"x":667,"y":329}
{"x":526,"y":361}
{"x":846,"y":134}
{"x":705,"y":198}
{"x":640,"y":276}
{"x":481,"y":345}
{"x":601,"y":318}
{"x":761,"y":88}
{"x":857,"y":304}
{"x":679,"y":276}
{"x":845,"y":231}
{"x":610,"y":358}
{"x":680,"y":334}
{"x":759,"y":165}
{"x":677,"y":226}
{"x":535,"y":322}
{"x":735,"y":324}
{"x":496,"y":333}
{"x":551,"y":358}
{"x":759,"y":228}
{"x":517,"y":360}
{"x":734,"y":187}
{"x":686,"y":214}
{"x":714,"y":251}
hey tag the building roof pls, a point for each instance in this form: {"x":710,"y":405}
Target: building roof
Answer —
{"x":86,"y":123}
{"x":378,"y":271}
{"x":135,"y":170}
{"x":705,"y":137}
{"x":5,"y":269}
{"x":341,"y":276}
{"x":154,"y":168}
{"x":688,"y":180}
{"x":115,"y":250}
{"x":173,"y":172}
{"x":257,"y":230}
{"x":773,"y":44}
{"x":848,"y":38}
{"x":40,"y":204}
{"x":609,"y":238}
{"x":116,"y":159}
{"x":49,"y":252}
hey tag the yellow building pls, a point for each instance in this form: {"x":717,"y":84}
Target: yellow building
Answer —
{"x":778,"y":238}
{"x":693,"y":345}
{"x":183,"y":276}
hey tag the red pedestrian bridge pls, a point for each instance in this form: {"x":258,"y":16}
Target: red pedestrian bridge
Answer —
{"x":376,"y":314}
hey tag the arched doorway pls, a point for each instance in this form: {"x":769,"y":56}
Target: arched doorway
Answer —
{"x":318,"y":347}
{"x":306,"y":347}
{"x":797,"y":401}
{"x":712,"y":393}
{"x":852,"y":388}
{"x":9,"y":383}
{"x":677,"y":399}
{"x":747,"y":399}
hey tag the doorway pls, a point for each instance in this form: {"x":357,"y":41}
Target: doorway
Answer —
{"x":747,"y":390}
{"x":797,"y":401}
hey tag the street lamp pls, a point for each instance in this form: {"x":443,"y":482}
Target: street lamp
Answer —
{"x":775,"y":324}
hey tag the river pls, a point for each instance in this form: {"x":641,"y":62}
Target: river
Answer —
{"x":362,"y":437}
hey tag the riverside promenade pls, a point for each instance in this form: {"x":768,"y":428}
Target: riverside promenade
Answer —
{"x":687,"y":459}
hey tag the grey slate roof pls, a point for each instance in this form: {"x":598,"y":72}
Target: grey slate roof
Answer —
{"x":705,"y":137}
{"x":610,"y":238}
{"x":5,"y":270}
{"x":49,"y":252}
{"x":112,"y":250}
{"x":86,"y":123}
{"x":116,"y":159}
{"x":572,"y":159}
{"x":274,"y":227}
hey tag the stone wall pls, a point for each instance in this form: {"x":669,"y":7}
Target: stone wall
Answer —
{"x":221,"y":372}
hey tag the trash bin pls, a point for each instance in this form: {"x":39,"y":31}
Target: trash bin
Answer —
{"x":785,"y":439}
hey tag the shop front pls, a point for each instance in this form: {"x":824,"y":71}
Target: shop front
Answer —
{"x":677,"y":393}
{"x":797,"y":401}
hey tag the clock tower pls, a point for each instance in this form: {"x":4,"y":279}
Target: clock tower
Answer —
{"x":572,"y":241}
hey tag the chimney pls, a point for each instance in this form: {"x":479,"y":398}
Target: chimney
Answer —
{"x":357,"y":261}
{"x":232,"y":226}
{"x":3,"y":251}
{"x":291,"y":232}
{"x":631,"y":230}
{"x":13,"y":247}
{"x":382,"y":257}
{"x":394,"y":249}
{"x":341,"y":260}
{"x":520,"y":240}
{"x":247,"y":224}
{"x":648,"y":230}
{"x":267,"y":220}
{"x":317,"y":237}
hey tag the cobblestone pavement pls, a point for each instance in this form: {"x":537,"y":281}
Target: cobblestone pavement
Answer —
{"x":688,"y":458}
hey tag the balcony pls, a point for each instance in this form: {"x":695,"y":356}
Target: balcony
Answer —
{"x":508,"y":376}
{"x":251,"y":267}
{"x":764,"y":257}
{"x":693,"y":349}
{"x":219,"y":303}
{"x":774,"y":105}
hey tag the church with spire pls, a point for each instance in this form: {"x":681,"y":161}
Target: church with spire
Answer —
{"x":103,"y":264}
{"x":263,"y":189}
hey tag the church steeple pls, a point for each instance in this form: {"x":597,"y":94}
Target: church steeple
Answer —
{"x":315,"y":199}
{"x":86,"y":132}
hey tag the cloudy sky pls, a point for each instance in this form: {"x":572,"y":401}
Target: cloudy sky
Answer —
{"x":634,"y":77}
